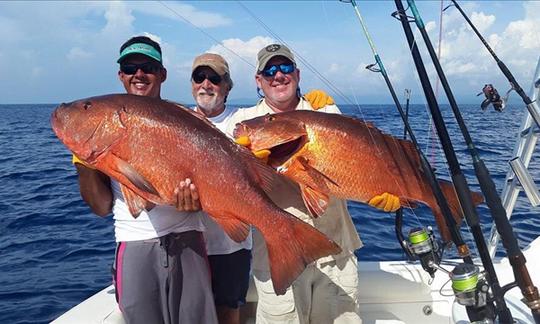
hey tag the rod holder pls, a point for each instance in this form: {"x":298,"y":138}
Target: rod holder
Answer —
{"x":526,"y":181}
{"x":534,"y":110}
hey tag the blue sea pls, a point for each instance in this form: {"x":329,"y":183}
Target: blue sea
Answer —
{"x":55,"y":252}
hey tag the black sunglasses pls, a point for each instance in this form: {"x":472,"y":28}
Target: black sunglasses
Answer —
{"x":148,"y":68}
{"x":200,"y":77}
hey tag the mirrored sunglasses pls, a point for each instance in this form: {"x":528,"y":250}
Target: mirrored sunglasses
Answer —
{"x":148,"y":68}
{"x":200,"y":77}
{"x":273,"y":69}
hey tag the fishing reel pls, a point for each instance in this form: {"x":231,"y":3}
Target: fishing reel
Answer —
{"x":424,"y":247}
{"x":469,"y":285}
{"x":420,"y":245}
{"x":472,"y":291}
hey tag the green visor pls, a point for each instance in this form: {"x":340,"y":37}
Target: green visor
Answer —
{"x":140,"y":48}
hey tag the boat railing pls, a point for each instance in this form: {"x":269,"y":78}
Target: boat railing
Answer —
{"x":518,"y":177}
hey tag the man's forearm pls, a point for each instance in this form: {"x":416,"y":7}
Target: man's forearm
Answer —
{"x":95,"y":188}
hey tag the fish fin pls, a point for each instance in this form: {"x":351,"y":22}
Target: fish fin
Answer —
{"x":133,"y":176}
{"x":136,"y":203}
{"x":453,"y":203}
{"x":315,"y":201}
{"x":237,"y":230}
{"x":264,"y":174}
{"x":408,"y":203}
{"x":302,"y":163}
{"x":291,"y":248}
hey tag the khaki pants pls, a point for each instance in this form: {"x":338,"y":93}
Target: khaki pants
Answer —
{"x":326,"y":293}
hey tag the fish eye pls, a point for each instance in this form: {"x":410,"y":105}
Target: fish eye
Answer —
{"x":87,"y":105}
{"x":270,"y":118}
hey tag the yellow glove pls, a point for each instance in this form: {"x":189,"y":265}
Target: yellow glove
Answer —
{"x":75,"y":159}
{"x":243,"y":140}
{"x":386,"y":202}
{"x":318,"y":99}
{"x":261,"y":154}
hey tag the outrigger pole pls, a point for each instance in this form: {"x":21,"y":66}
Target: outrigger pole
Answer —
{"x":461,"y":246}
{"x":460,"y":183}
{"x":515,"y":256}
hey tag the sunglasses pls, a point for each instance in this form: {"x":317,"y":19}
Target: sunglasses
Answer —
{"x":148,"y":68}
{"x":200,"y":77}
{"x":273,"y":69}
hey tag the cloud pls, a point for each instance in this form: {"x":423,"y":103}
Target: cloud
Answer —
{"x":334,"y":67}
{"x":119,"y":19}
{"x":481,"y":21}
{"x":181,"y":12}
{"x":63,"y":36}
{"x":525,"y":32}
{"x":465,"y":60}
{"x":242,"y":56}
{"x":77,"y":53}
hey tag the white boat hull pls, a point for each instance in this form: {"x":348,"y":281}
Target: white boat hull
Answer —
{"x":390,"y":292}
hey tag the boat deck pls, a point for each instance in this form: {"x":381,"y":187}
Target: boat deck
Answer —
{"x":390,"y":292}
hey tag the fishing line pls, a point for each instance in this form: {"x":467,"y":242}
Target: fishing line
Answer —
{"x":326,"y":81}
{"x":308,"y":65}
{"x":434,"y":147}
{"x":498,"y":212}
{"x":206,"y":34}
{"x":425,"y":166}
{"x":361,"y":113}
{"x":460,"y":182}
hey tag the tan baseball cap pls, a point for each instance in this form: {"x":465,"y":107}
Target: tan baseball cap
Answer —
{"x":267,"y":53}
{"x":214,"y":61}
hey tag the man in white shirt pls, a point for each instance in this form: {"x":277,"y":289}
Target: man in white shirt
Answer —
{"x":160,"y":269}
{"x":229,"y":260}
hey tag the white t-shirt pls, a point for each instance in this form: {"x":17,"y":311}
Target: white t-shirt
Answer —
{"x":159,"y":221}
{"x":217,"y":241}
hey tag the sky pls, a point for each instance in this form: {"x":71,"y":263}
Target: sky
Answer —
{"x":52,"y":52}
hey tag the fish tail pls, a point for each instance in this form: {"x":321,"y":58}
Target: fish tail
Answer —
{"x":293,"y":246}
{"x":449,"y":193}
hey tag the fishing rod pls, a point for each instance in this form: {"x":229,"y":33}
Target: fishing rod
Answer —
{"x":498,"y":213}
{"x":460,"y":183}
{"x":407,"y":98}
{"x":533,"y":108}
{"x":461,"y":246}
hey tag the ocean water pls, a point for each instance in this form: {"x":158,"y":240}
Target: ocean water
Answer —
{"x":55,"y":252}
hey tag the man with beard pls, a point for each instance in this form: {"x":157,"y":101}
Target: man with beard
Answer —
{"x":229,"y":260}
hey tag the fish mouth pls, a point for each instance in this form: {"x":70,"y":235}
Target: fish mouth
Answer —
{"x":281,"y":153}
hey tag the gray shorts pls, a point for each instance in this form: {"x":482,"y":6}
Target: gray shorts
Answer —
{"x":164,"y":280}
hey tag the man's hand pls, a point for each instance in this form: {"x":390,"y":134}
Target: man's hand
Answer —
{"x":187,"y":196}
{"x":386,"y":202}
{"x":318,"y":99}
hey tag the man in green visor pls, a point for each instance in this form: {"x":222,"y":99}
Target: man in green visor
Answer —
{"x":161,"y":273}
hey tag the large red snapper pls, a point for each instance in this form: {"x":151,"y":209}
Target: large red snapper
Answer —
{"x":150,"y":145}
{"x":335,"y":155}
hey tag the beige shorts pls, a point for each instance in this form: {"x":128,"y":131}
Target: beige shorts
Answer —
{"x":325,"y":293}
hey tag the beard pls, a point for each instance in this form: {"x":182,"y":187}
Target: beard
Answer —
{"x":209,"y":103}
